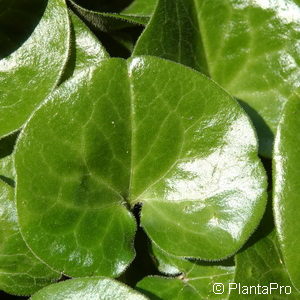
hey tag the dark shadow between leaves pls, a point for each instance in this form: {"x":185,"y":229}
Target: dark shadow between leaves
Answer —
{"x":7,"y":144}
{"x":71,"y":63}
{"x":117,"y":47}
{"x":148,"y":294}
{"x":143,"y":264}
{"x":7,"y":180}
{"x":18,"y":20}
{"x":265,"y":135}
{"x":4,"y":296}
{"x":265,"y":227}
{"x":268,"y":167}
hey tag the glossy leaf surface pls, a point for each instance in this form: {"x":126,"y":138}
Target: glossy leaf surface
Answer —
{"x":182,"y":147}
{"x":262,"y":263}
{"x":21,"y":273}
{"x":286,"y":187}
{"x":251,"y":49}
{"x":194,"y":279}
{"x":92,"y":288}
{"x":31,"y":72}
{"x":85,"y":227}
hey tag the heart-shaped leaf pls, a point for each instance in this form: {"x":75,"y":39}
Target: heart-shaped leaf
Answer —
{"x":92,"y":288}
{"x":29,"y":74}
{"x":191,"y":279}
{"x":251,"y":48}
{"x":21,"y":273}
{"x":286,"y":187}
{"x":144,"y":131}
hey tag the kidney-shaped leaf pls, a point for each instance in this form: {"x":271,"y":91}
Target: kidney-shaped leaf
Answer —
{"x":29,"y":74}
{"x":145,"y":131}
{"x":286,"y":187}
{"x":21,"y":273}
{"x":251,"y":48}
{"x":92,"y":288}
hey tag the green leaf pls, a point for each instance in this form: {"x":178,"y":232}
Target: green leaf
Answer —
{"x":31,"y":72}
{"x":194,"y":279}
{"x":21,"y":273}
{"x":7,"y":172}
{"x":104,"y":5}
{"x":86,"y":50}
{"x":143,"y":8}
{"x":105,"y":21}
{"x":182,"y":147}
{"x":93,"y":288}
{"x":178,"y":39}
{"x":251,"y":49}
{"x":262,"y":264}
{"x":286,"y":187}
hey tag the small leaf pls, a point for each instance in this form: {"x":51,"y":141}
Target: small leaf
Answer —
{"x":144,"y":131}
{"x":93,"y":288}
{"x":286,"y":187}
{"x":21,"y":273}
{"x":194,"y":279}
{"x":28,"y":75}
{"x":251,"y":49}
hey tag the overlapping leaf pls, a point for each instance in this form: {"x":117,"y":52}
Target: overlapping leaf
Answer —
{"x":262,"y":264}
{"x":194,"y":279}
{"x":251,"y":48}
{"x":86,"y":51}
{"x":107,"y":21}
{"x":143,"y":8}
{"x":92,"y":288}
{"x":144,"y":131}
{"x":33,"y":70}
{"x":21,"y":273}
{"x":286,"y":187}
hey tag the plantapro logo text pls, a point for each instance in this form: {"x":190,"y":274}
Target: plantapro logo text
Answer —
{"x":271,"y":288}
